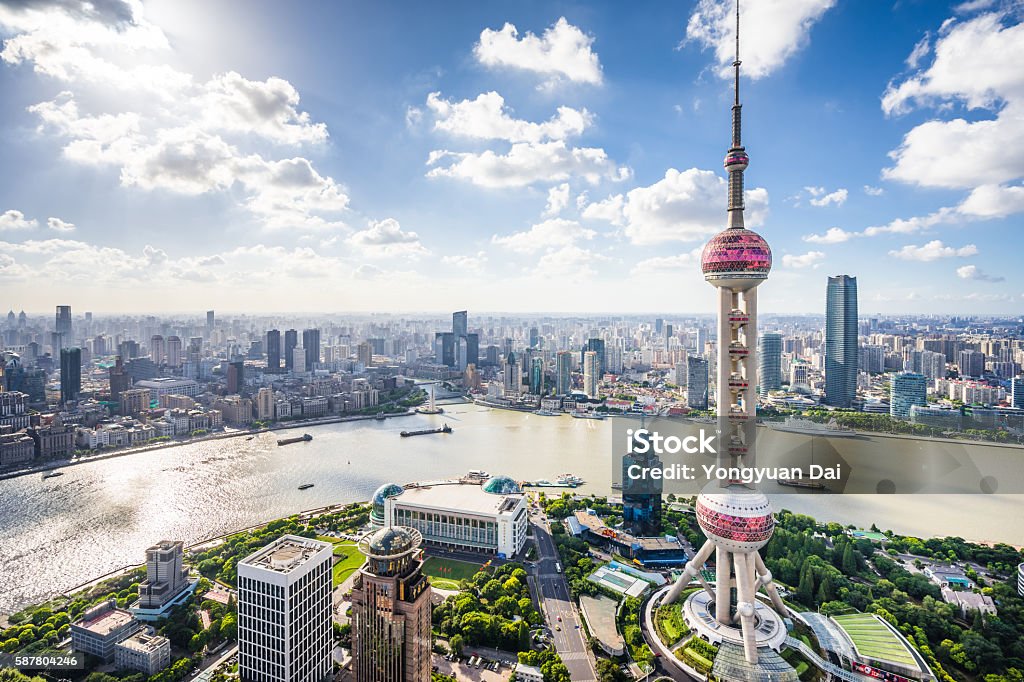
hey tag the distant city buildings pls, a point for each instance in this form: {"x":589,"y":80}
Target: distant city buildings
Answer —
{"x":284,"y":612}
{"x":907,"y":389}
{"x":841,"y":350}
{"x":70,"y":374}
{"x":696,"y":383}
{"x":769,"y":374}
{"x":167,"y":583}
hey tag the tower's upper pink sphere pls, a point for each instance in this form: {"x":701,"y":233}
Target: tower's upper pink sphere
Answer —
{"x":740,"y":520}
{"x":736,"y":254}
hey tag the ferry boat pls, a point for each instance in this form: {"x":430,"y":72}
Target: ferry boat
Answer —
{"x":306,"y":486}
{"x":53,"y":474}
{"x":424,"y":432}
{"x":588,"y":415}
{"x":809,"y":428}
{"x":571,"y":480}
{"x":380,"y":416}
{"x":809,"y":485}
{"x":547,"y":413}
{"x":298,"y":439}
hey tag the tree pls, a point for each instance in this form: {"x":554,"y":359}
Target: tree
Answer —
{"x":609,"y":671}
{"x":849,"y":561}
{"x":456,"y":644}
{"x":805,"y":591}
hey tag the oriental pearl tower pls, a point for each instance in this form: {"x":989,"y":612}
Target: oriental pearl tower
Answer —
{"x":737,"y":519}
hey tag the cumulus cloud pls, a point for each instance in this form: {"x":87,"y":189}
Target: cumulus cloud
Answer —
{"x":470,"y":263}
{"x":933,"y":250}
{"x":526,"y":164}
{"x":975,"y":63}
{"x":558,"y":200}
{"x":573,"y":261}
{"x":58,"y":225}
{"x":387,"y":238}
{"x":873,"y":191}
{"x":834,"y":235}
{"x":562,"y":53}
{"x":819,"y":197}
{"x":677,"y":263}
{"x":16,"y":220}
{"x":682,"y":206}
{"x":546,"y":234}
{"x":993,"y":201}
{"x":809,"y":259}
{"x":487,"y":118}
{"x":608,"y":209}
{"x":776,"y":30}
{"x":973,"y":272}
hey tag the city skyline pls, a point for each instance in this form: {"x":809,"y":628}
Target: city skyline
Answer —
{"x":272,"y":181}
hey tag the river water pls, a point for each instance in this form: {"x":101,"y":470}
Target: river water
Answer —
{"x":58,"y":533}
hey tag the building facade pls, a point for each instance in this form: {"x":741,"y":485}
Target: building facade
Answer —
{"x":148,"y":654}
{"x":841,"y":351}
{"x":770,"y":358}
{"x":391,"y":609}
{"x":284,"y":612}
{"x":906,"y":390}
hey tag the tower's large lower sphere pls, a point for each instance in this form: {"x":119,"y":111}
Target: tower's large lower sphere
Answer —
{"x":736,"y":258}
{"x":738,"y":519}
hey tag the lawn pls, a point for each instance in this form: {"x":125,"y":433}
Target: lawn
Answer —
{"x":447,"y":573}
{"x":873,"y":639}
{"x":350,"y":558}
{"x":669,"y":623}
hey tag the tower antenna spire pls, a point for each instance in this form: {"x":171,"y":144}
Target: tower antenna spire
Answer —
{"x":736,"y":160}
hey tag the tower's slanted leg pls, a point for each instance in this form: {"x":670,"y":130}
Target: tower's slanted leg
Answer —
{"x":691,"y":571}
{"x":765,"y":578}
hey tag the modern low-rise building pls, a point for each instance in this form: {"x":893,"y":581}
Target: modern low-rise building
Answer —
{"x":161,"y":386}
{"x":167,"y":583}
{"x":100,"y":628}
{"x":968,"y":602}
{"x":528,"y":673}
{"x":146,"y":653}
{"x":284,"y":612}
{"x":468,"y":515}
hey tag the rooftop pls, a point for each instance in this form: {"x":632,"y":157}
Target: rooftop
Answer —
{"x":874,"y":639}
{"x":106,"y":622}
{"x":600,"y":613}
{"x":140,"y":641}
{"x":466,"y":497}
{"x":285,"y":554}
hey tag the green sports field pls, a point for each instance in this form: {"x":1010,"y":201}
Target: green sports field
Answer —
{"x":446,"y":573}
{"x":873,"y":639}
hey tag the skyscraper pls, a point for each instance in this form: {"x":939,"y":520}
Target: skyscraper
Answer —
{"x":63,"y":325}
{"x":591,"y":374}
{"x":563,"y":372}
{"x":770,"y":370}
{"x":291,"y":340}
{"x":696,"y":382}
{"x":596,"y":345}
{"x":174,"y":351}
{"x":460,"y":323}
{"x":311,"y":342}
{"x":158,"y":349}
{"x":209,"y":320}
{"x":537,"y":375}
{"x":70,"y":374}
{"x":736,"y":519}
{"x":971,"y":363}
{"x":236,"y":377}
{"x":274,"y":350}
{"x":641,"y":497}
{"x":841,"y":353}
{"x":284,"y":612}
{"x":906,"y":390}
{"x":513,"y":375}
{"x":391,"y":631}
{"x":1017,"y":392}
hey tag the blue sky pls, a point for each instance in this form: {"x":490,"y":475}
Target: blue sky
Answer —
{"x":555,"y":156}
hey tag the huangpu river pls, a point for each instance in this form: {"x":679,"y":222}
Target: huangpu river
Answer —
{"x":100,"y":516}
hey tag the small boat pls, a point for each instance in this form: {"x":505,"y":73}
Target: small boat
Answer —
{"x":587,"y":415}
{"x":809,"y":485}
{"x":306,"y":486}
{"x":298,"y":439}
{"x":380,"y":416}
{"x":547,"y":413}
{"x":53,"y":474}
{"x":570,"y":480}
{"x":250,"y":437}
{"x":810,"y":428}
{"x":424,"y":432}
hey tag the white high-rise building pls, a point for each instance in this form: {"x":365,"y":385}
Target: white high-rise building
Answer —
{"x":591,"y":378}
{"x":299,"y":359}
{"x":284,"y":612}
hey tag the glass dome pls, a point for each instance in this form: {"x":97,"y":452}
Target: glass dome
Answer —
{"x":501,"y":485}
{"x":736,"y":253}
{"x":377,"y":501}
{"x":391,"y":541}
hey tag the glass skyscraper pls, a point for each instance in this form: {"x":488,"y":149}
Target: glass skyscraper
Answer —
{"x":906,"y":390}
{"x":841,"y":353}
{"x":770,"y":370}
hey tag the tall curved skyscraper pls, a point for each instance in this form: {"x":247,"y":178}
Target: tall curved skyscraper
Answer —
{"x":841,"y":341}
{"x":737,"y":519}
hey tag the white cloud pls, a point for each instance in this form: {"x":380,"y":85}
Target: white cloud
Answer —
{"x":684,"y":206}
{"x":58,"y":225}
{"x":562,"y":52}
{"x":809,"y":259}
{"x":838,"y":197}
{"x":386,"y":238}
{"x":933,"y":250}
{"x":608,"y":209}
{"x":976,"y":63}
{"x":914,"y":224}
{"x":834,"y":235}
{"x":920,"y":51}
{"x":470,"y":263}
{"x":267,"y":108}
{"x":873,"y":191}
{"x":773,"y":31}
{"x":16,"y":220}
{"x":546,"y":234}
{"x":487,"y":118}
{"x":659,"y":264}
{"x":558,"y":199}
{"x":993,"y":201}
{"x":973,"y":272}
{"x":526,"y":164}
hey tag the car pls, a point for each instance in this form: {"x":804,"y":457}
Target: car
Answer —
{"x":558,"y":627}
{"x":559,"y":619}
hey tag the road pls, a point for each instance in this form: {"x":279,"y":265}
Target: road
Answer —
{"x":553,"y":593}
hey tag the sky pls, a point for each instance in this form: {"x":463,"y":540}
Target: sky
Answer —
{"x":256,"y":156}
